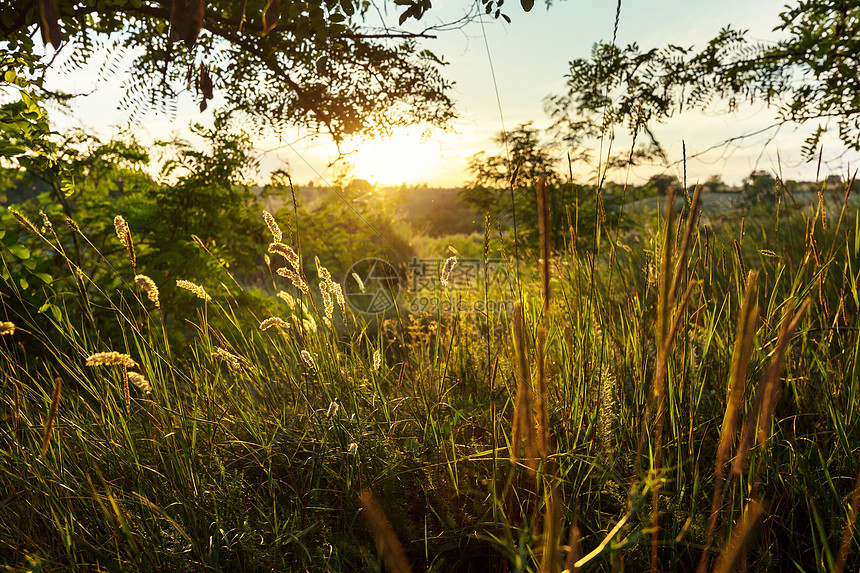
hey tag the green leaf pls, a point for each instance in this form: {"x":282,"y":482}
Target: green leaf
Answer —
{"x":19,"y":251}
{"x":44,"y":277}
{"x":24,"y":284}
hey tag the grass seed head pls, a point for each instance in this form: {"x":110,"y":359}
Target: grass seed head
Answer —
{"x":449,"y":265}
{"x":288,"y":298}
{"x":287,"y":252}
{"x":140,"y":381}
{"x":7,"y":327}
{"x":233,"y":361}
{"x":148,"y":285}
{"x":111,"y":358}
{"x":196,"y":289}
{"x":309,"y":360}
{"x":274,"y":321}
{"x":273,"y":226}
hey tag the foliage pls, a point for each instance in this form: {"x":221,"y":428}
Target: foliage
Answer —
{"x":809,"y":74}
{"x":249,"y":452}
{"x":503,"y":186}
{"x":313,"y":63}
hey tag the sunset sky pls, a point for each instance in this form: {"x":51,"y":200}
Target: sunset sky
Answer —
{"x":530,"y":58}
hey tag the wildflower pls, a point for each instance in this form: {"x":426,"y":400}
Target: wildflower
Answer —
{"x":273,"y":226}
{"x":196,"y":289}
{"x":140,"y":381}
{"x":309,"y":360}
{"x":111,"y":358}
{"x":446,"y":270}
{"x":377,"y":360}
{"x":7,"y":327}
{"x":148,"y":285}
{"x":274,"y":321}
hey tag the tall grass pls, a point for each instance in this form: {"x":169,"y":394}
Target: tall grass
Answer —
{"x":687,"y":399}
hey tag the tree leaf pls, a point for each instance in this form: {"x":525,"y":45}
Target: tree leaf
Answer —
{"x":527,"y":4}
{"x":19,"y":251}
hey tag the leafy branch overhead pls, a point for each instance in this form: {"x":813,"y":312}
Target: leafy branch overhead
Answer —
{"x":812,"y":73}
{"x":317,"y":64}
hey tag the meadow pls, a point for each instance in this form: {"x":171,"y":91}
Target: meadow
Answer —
{"x":683,"y":395}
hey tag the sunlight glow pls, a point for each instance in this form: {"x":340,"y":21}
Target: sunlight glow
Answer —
{"x":409,"y":155}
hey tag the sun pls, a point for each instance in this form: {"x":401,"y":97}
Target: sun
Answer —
{"x":408,"y":155}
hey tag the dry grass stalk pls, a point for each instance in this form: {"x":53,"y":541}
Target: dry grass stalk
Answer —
{"x":124,"y":235}
{"x":544,"y":227}
{"x":194,"y":288}
{"x":149,"y":287}
{"x":523,"y":428}
{"x":686,"y":245}
{"x":747,"y":320}
{"x":52,"y":414}
{"x":575,"y":548}
{"x":7,"y":328}
{"x":758,"y":421}
{"x":126,"y":394}
{"x":740,"y":257}
{"x":551,"y":527}
{"x":386,"y":540}
{"x":848,"y":532}
{"x":540,"y":397}
{"x":670,"y":313}
{"x":16,"y":414}
{"x":731,"y":558}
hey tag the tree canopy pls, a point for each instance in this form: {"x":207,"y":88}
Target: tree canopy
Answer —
{"x":810,"y":74}
{"x":314,"y":63}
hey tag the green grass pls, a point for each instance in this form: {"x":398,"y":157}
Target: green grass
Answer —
{"x":260,"y":466}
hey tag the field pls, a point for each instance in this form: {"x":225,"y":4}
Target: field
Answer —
{"x":681,"y":395}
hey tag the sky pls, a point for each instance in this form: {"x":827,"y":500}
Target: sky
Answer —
{"x":530,"y":58}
